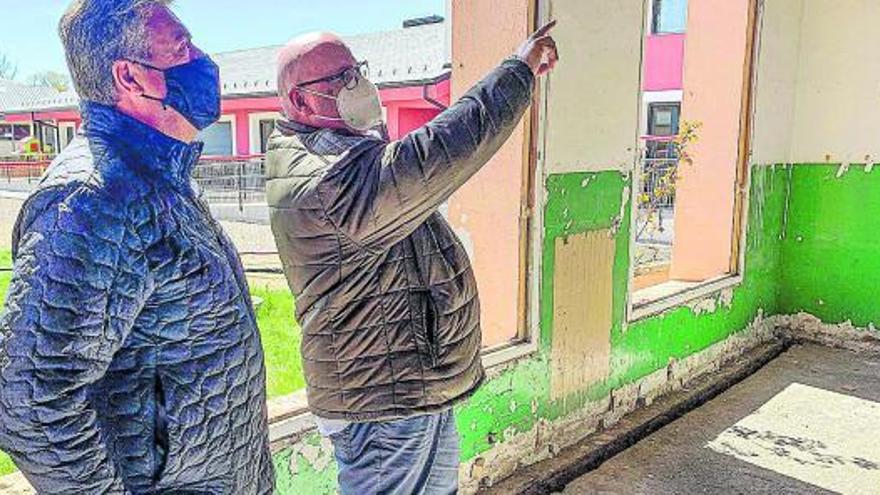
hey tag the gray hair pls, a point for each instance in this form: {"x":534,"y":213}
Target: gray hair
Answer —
{"x":96,"y":33}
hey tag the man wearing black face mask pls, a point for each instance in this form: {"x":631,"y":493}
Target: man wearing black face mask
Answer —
{"x":130,"y":360}
{"x":385,"y":292}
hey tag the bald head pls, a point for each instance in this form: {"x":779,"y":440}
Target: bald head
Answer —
{"x":306,"y":58}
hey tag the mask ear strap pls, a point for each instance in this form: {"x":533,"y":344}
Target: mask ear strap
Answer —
{"x":151,"y":67}
{"x":160,"y":100}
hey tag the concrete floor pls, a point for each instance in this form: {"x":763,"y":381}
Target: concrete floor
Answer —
{"x":807,"y":423}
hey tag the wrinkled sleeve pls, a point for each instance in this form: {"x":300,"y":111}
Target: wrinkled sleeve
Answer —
{"x":396,"y":187}
{"x":78,"y":284}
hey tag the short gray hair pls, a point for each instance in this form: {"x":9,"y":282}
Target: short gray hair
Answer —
{"x":96,"y":33}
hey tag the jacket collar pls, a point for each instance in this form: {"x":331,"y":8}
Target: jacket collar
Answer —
{"x":289,"y":127}
{"x":140,"y":145}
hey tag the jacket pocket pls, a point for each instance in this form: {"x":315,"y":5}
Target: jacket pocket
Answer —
{"x":430,"y":318}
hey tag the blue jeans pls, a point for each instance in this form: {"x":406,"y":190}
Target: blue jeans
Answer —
{"x":417,"y":455}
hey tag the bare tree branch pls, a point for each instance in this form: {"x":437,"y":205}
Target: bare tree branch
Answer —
{"x":56,"y":80}
{"x":8,"y":68}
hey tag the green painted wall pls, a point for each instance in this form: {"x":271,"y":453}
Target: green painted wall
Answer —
{"x":830,"y":262}
{"x":517,"y":399}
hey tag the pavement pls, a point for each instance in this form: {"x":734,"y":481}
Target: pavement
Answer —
{"x":807,"y":423}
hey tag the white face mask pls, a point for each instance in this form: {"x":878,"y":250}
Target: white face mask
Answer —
{"x":359,"y":108}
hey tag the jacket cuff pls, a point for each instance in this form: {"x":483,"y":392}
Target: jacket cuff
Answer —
{"x":520,"y":66}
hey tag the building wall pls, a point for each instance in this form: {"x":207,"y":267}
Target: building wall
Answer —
{"x":802,"y":219}
{"x":830,"y":248}
{"x":715,"y":55}
{"x":664,"y":62}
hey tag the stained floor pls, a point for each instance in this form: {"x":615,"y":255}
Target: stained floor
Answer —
{"x":807,"y":423}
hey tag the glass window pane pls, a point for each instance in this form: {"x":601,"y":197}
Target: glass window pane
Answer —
{"x":670,"y":16}
{"x":266,"y":129}
{"x":217,"y":139}
{"x":21,"y":131}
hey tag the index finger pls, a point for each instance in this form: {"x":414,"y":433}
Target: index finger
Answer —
{"x":544,"y":29}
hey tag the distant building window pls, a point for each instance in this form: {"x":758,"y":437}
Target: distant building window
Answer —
{"x":217,"y":139}
{"x":14,"y":132}
{"x":21,"y":131}
{"x":50,"y":142}
{"x":267,"y":126}
{"x":670,"y":16}
{"x":663,"y":121}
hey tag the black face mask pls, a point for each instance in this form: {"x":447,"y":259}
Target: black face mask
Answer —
{"x":193,"y":89}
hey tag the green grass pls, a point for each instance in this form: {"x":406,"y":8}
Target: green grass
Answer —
{"x":281,"y":337}
{"x":6,"y":465}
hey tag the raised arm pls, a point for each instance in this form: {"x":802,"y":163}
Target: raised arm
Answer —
{"x":77,"y":287}
{"x":394,"y":188}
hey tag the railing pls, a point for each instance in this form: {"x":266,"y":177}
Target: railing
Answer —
{"x":658,"y":182}
{"x":232,"y":180}
{"x":20,"y":170}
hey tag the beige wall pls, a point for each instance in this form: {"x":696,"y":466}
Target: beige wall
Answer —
{"x":838,"y":90}
{"x":818,"y":82}
{"x":715,"y":54}
{"x":592,"y":115}
{"x":777,"y":67}
{"x":485,"y":213}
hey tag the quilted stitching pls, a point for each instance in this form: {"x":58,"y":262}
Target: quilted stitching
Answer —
{"x":130,"y":360}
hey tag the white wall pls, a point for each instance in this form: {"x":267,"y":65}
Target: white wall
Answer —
{"x":838,"y":90}
{"x":777,"y":71}
{"x":818,"y":86}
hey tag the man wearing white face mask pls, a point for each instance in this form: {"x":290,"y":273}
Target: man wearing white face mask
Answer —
{"x":385,"y":293}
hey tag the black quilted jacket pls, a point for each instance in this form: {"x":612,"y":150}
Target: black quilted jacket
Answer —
{"x":130,"y":360}
{"x":385,"y":292}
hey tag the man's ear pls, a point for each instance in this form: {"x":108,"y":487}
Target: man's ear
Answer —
{"x":126,"y":77}
{"x":298,"y":102}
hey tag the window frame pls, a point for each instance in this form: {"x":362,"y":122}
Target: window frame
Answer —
{"x":656,"y":13}
{"x":676,"y":111}
{"x":677,"y":298}
{"x":231,"y":120}
{"x":254,"y":128}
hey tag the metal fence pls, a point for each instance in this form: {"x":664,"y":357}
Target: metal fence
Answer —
{"x":20,"y":171}
{"x":656,"y":176}
{"x":237,"y":181}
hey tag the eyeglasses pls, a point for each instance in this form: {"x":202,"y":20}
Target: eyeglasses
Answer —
{"x":348,"y":76}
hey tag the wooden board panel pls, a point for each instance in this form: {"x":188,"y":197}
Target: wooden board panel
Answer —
{"x":582,"y":307}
